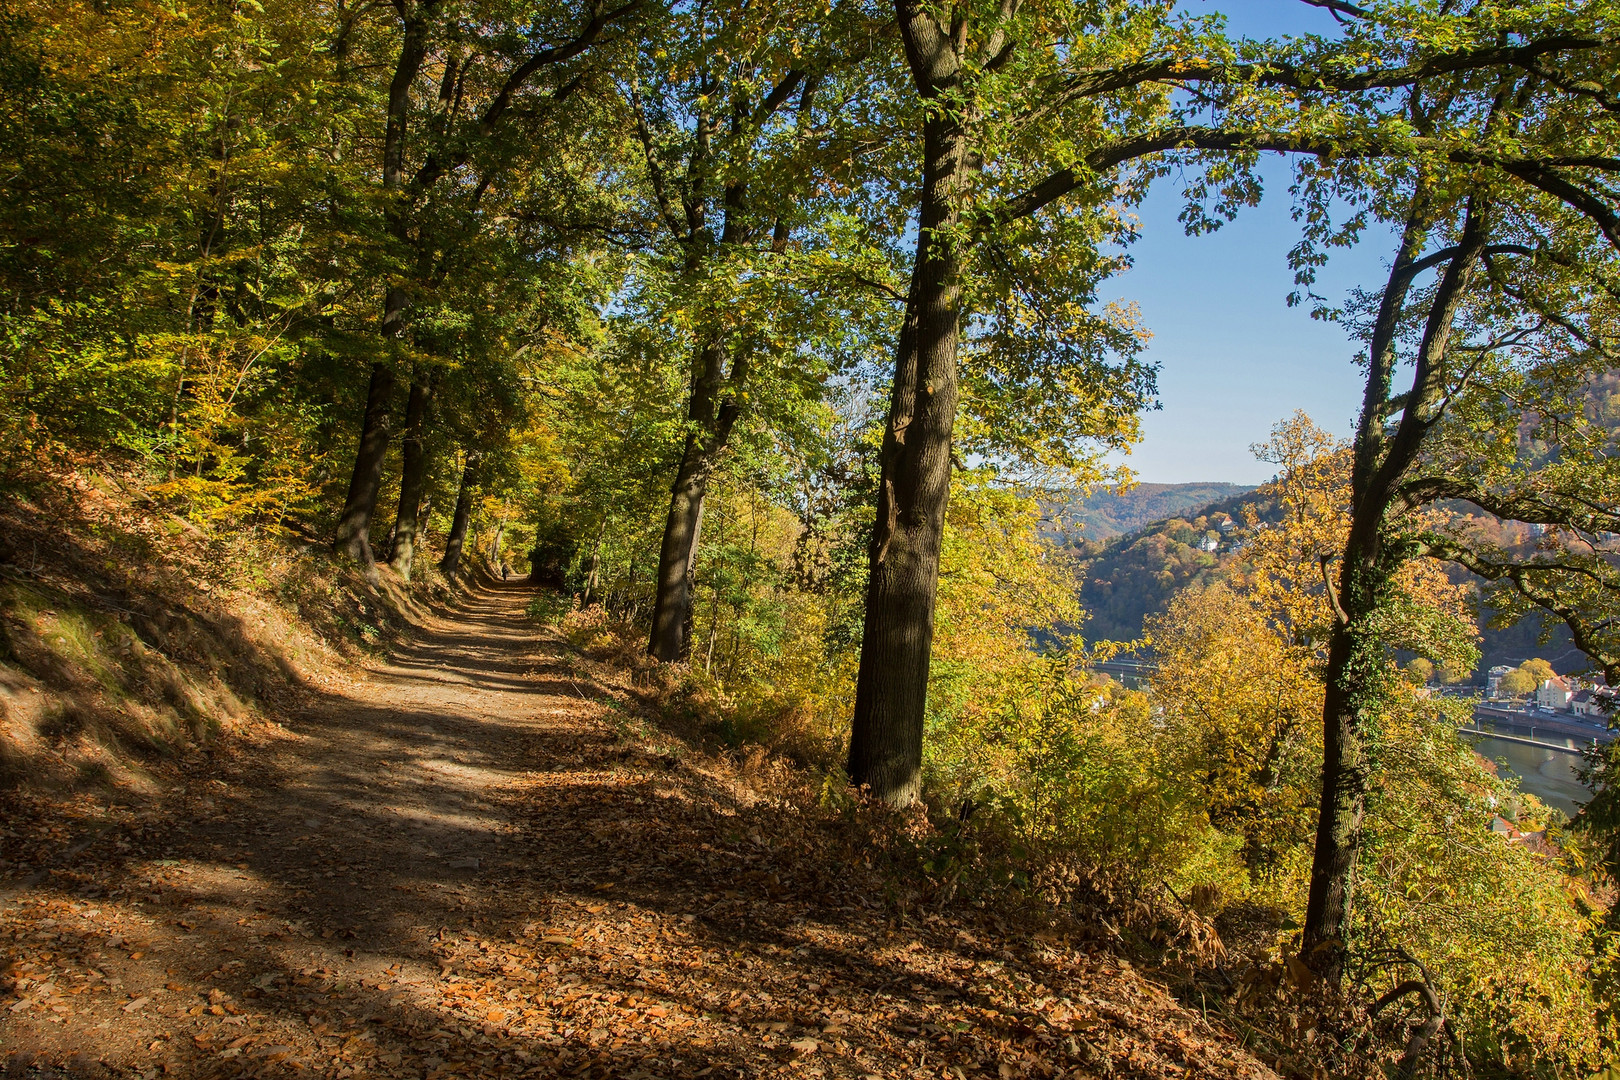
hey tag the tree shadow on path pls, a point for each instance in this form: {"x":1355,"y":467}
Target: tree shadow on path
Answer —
{"x":461,"y":865}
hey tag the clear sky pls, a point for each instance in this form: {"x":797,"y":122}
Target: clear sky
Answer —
{"x":1234,"y":358}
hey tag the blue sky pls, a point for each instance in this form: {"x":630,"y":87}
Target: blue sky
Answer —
{"x":1234,"y":358}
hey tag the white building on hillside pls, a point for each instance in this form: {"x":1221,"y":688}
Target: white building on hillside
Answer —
{"x":1493,"y":679}
{"x":1555,"y":693}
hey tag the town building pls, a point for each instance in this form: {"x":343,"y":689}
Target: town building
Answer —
{"x":1598,"y":702}
{"x":1555,"y":693}
{"x":1493,"y":680}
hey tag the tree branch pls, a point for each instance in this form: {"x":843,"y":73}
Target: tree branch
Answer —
{"x":1271,"y":73}
{"x":1197,"y":137}
{"x":1522,"y":579}
{"x":587,"y":36}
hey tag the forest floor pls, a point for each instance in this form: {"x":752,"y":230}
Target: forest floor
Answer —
{"x":477,"y":859}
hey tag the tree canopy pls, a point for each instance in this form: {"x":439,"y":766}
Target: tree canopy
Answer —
{"x":770,"y":336}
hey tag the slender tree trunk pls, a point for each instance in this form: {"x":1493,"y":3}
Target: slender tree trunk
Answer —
{"x":354,"y":527}
{"x":413,"y":478}
{"x":500,"y":533}
{"x":596,"y":565}
{"x":1350,"y":701}
{"x":671,"y":637}
{"x":1373,"y":556}
{"x":714,"y":632}
{"x":714,"y":614}
{"x":450,"y":565}
{"x":885,"y":752}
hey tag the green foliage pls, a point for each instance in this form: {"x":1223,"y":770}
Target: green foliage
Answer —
{"x":547,"y":607}
{"x":198,"y":160}
{"x":1500,"y":924}
{"x":1066,"y":767}
{"x":1517,"y":683}
{"x":1237,"y":702}
{"x":1538,"y":670}
{"x":1004,"y":586}
{"x":200,"y":233}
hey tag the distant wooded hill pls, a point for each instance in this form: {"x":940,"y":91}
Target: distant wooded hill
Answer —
{"x":1105,"y":515}
{"x":1134,"y":574}
{"x":1129,"y":576}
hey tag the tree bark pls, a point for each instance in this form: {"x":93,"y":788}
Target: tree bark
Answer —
{"x":354,"y":526}
{"x":886,"y":738}
{"x":1373,"y":555}
{"x":709,"y":417}
{"x":353,"y":531}
{"x":712,"y":419}
{"x":413,"y":478}
{"x":596,"y":566}
{"x":450,"y":565}
{"x":1350,"y":701}
{"x":500,"y":533}
{"x":671,"y":638}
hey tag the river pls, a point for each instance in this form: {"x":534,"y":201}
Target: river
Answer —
{"x":1547,"y":774}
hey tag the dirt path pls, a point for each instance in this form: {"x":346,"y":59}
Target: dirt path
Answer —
{"x":466,"y":863}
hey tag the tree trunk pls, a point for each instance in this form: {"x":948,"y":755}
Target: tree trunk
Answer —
{"x":710,"y":415}
{"x":596,"y":565}
{"x":1344,"y":762}
{"x":413,"y":478}
{"x":450,"y":565}
{"x":885,"y":751}
{"x":671,"y":637}
{"x":1350,"y":700}
{"x":354,"y":527}
{"x":1373,"y":556}
{"x":714,"y":614}
{"x":500,"y":534}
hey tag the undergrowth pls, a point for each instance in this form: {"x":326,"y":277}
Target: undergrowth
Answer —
{"x":1052,"y":807}
{"x":131,"y":637}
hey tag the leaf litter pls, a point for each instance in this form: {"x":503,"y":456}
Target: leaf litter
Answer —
{"x":467,"y":863}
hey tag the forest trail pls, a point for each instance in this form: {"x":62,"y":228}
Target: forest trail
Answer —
{"x":464,"y":863}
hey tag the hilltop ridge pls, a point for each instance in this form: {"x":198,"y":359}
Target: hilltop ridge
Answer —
{"x":1103,"y":515}
{"x":1131,"y":576}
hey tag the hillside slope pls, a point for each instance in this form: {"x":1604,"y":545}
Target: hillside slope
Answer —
{"x":1133,"y":577}
{"x":1104,"y":515}
{"x":130,"y":638}
{"x":476,"y":857}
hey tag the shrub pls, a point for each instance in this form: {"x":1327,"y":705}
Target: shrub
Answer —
{"x":1075,"y":795}
{"x":549,"y":607}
